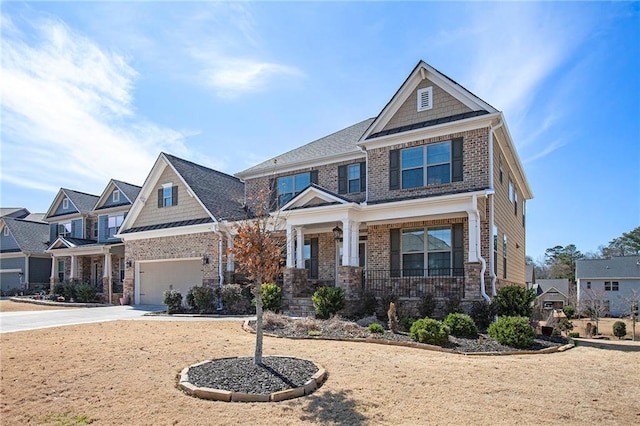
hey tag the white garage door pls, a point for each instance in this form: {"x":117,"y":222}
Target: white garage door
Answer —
{"x":156,"y":277}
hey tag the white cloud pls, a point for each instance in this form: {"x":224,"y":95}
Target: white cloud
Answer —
{"x":67,"y":113}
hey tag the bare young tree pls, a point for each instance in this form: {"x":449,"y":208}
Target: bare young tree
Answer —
{"x":257,"y":250}
{"x":594,"y":303}
{"x":632,"y":303}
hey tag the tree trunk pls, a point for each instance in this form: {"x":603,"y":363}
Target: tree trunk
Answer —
{"x":257,"y":359}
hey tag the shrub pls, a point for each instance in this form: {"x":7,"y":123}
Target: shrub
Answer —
{"x":376,"y":328}
{"x":452,"y":306}
{"x":619,"y":329}
{"x":514,"y":301}
{"x":513,"y":331}
{"x":58,"y":289}
{"x":427,"y":306}
{"x":564,"y":325}
{"x":431,"y":331}
{"x":406,"y":323}
{"x":574,"y":334}
{"x":327,"y":301}
{"x":173,"y":300}
{"x":368,"y":304}
{"x":69,"y":290}
{"x":461,"y":325}
{"x":231,"y":295}
{"x":483,"y":313}
{"x":86,"y":293}
{"x":271,"y":297}
{"x":201,"y":299}
{"x":569,"y":311}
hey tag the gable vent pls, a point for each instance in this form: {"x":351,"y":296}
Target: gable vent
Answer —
{"x":425,"y":98}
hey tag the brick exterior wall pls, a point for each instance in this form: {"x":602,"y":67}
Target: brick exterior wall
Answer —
{"x":327,"y":178}
{"x":475,"y":167}
{"x":176,"y":247}
{"x":444,"y":105}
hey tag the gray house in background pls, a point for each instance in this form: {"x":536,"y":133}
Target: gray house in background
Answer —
{"x":24,"y":264}
{"x":616,"y":280}
{"x":552,"y":293}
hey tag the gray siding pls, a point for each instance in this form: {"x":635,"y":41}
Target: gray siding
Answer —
{"x":61,"y":211}
{"x":9,"y":280}
{"x":7,"y":242}
{"x":39,"y":270}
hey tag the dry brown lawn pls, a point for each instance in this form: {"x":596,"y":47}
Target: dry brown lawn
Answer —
{"x":11,"y":306}
{"x":124,"y":372}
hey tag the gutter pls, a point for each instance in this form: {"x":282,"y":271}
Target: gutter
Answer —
{"x":483,"y":262}
{"x":492,"y":273}
{"x":366,"y":192}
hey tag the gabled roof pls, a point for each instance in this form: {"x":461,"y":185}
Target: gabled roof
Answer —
{"x":221,"y":194}
{"x":313,"y":196}
{"x":67,"y":242}
{"x":560,"y":284}
{"x":421,"y":71}
{"x":129,"y":191}
{"x":614,"y":267}
{"x":337,"y":144}
{"x":83,"y":202}
{"x":14,"y":212}
{"x":31,"y":237}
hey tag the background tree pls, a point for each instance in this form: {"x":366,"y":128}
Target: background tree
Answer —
{"x":628,"y":244}
{"x":594,"y":303}
{"x":257,"y":251}
{"x":562,"y":261}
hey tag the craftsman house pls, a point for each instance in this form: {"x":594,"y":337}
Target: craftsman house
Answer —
{"x":82,"y":232}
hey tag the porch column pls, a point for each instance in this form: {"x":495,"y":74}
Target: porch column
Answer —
{"x":355,"y":246}
{"x":300,"y":247}
{"x":290,"y":246}
{"x":346,"y":242}
{"x":25,"y":281}
{"x":106,"y":276}
{"x":474,"y":235}
{"x":72,"y":273}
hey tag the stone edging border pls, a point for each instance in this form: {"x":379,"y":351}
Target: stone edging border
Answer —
{"x":62,"y":304}
{"x":424,"y":346}
{"x":227,"y":396}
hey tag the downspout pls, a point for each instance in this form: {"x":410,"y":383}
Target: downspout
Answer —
{"x":220,"y":271}
{"x":492,"y":272}
{"x":483,"y":262}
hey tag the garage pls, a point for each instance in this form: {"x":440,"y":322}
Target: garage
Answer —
{"x":156,"y":277}
{"x":10,"y":279}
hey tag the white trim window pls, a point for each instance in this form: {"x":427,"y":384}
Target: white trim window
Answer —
{"x":425,"y":99}
{"x":290,"y":186}
{"x":432,"y":253}
{"x":65,"y":203}
{"x":113,"y":224}
{"x":431,"y":163}
{"x":167,"y":194}
{"x":6,"y":231}
{"x":353,"y":177}
{"x":115,"y":196}
{"x":64,"y":229}
{"x":611,"y":286}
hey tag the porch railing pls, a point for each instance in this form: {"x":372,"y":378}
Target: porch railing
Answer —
{"x":415,"y":283}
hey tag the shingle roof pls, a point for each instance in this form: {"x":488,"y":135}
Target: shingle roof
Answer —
{"x":221,"y":194}
{"x":15,"y":212}
{"x":83,"y":202}
{"x":31,"y":237}
{"x":615,"y":267}
{"x":560,"y":284}
{"x":429,"y":123}
{"x":341,"y":142}
{"x":130,"y":190}
{"x":168,"y":225}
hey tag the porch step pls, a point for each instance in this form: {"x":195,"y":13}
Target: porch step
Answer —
{"x":301,"y":307}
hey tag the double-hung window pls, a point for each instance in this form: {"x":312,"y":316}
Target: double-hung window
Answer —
{"x":168,"y":195}
{"x":114,"y":223}
{"x":426,"y":249}
{"x":611,"y":286}
{"x":353,"y":177}
{"x":290,"y":186}
{"x":116,"y":196}
{"x":64,"y":229}
{"x":430,"y":165}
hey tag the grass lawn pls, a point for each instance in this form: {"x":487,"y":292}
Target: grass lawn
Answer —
{"x":124,"y":373}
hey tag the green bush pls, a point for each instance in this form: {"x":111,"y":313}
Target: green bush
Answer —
{"x":513,"y":331}
{"x":406,"y":323}
{"x":569,"y":311}
{"x":461,"y":325}
{"x":173,"y":300}
{"x":58,"y":289}
{"x":69,"y":291}
{"x":327,"y":301}
{"x":376,"y":328}
{"x":431,"y":331}
{"x":483,"y":314}
{"x":85,"y":293}
{"x":271,"y":297}
{"x":201,"y":299}
{"x":427,"y":306}
{"x":235,"y":298}
{"x":619,"y":329}
{"x":514,"y":301}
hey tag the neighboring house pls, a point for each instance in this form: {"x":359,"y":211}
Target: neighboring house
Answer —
{"x":615,"y":280}
{"x":14,"y":212}
{"x":552,"y":293}
{"x":23,"y":261}
{"x":530,"y":275}
{"x":176,"y":233}
{"x":428,"y":197}
{"x":82,"y":234}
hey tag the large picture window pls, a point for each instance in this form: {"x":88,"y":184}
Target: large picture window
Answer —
{"x":426,"y":252}
{"x":430,"y":165}
{"x":290,"y":186}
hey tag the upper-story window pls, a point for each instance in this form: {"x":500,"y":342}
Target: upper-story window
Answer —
{"x":6,"y":231}
{"x":429,"y":164}
{"x":500,"y":170}
{"x":290,"y":186}
{"x":114,"y":223}
{"x":64,"y":229}
{"x":116,"y":196}
{"x":425,"y":98}
{"x":504,"y":256}
{"x":433,"y":164}
{"x":352,"y":178}
{"x":611,"y":286}
{"x":510,"y":190}
{"x":515,"y":202}
{"x":65,"y":203}
{"x":167,"y":195}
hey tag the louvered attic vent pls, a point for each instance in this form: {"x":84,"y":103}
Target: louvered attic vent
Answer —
{"x":425,"y":98}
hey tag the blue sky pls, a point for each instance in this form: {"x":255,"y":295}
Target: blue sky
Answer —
{"x":93,"y":91}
